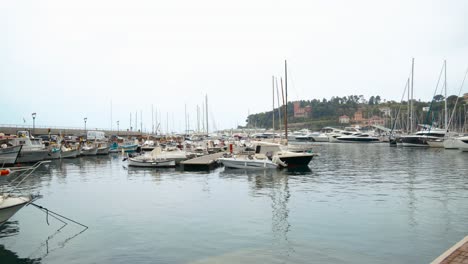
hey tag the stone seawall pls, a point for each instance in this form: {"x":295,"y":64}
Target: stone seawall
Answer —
{"x":12,"y":130}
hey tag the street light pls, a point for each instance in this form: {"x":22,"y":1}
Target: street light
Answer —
{"x":117,"y":127}
{"x":34,"y":122}
{"x":85,"y":119}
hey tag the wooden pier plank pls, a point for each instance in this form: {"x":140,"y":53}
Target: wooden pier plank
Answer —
{"x":458,"y":254}
{"x":204,"y":162}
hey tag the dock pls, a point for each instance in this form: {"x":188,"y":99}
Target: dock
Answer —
{"x":458,"y":254}
{"x":207,"y":162}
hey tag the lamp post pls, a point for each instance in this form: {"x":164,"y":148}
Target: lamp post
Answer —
{"x":34,"y":122}
{"x":85,"y":119}
{"x":117,"y":127}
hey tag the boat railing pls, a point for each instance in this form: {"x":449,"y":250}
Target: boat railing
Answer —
{"x":22,"y":173}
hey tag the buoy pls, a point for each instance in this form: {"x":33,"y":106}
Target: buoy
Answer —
{"x":4,"y":172}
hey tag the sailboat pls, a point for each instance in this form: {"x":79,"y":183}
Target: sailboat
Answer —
{"x":453,"y":141}
{"x":426,"y":133}
{"x":291,"y":159}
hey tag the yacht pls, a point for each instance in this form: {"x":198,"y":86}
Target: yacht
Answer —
{"x":274,"y":151}
{"x":463,"y":143}
{"x":357,"y":138}
{"x":421,"y":138}
{"x":314,"y":137}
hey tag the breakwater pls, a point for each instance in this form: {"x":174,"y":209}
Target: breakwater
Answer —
{"x":43,"y":130}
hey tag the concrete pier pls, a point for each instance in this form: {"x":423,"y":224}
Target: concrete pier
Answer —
{"x":13,"y":129}
{"x":458,"y":254}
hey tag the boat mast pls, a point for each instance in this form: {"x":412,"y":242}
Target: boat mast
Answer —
{"x":198,"y":119}
{"x":412,"y":90}
{"x":445,"y":107}
{"x":278,"y":100}
{"x":286,"y":99}
{"x":273,"y":112}
{"x":206,"y":101}
{"x":111,"y":114}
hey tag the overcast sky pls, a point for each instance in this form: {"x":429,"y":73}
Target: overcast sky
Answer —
{"x":66,"y":60}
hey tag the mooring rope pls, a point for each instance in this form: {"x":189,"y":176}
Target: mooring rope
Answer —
{"x":59,"y":215}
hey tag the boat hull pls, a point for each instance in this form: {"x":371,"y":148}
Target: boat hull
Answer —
{"x":436,"y":143}
{"x":451,"y":143}
{"x":357,"y":140}
{"x":9,"y":155}
{"x":296,"y":161}
{"x":247,"y":164}
{"x":89,"y":152}
{"x":463,"y":144}
{"x":26,"y":156}
{"x":417,"y":141}
{"x":151,"y":163}
{"x":102,"y":151}
{"x":70,"y":154}
{"x":10,"y":205}
{"x":129,"y":148}
{"x":54,"y":154}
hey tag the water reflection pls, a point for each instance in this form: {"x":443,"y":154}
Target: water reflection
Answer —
{"x":9,"y":229}
{"x":275,"y":185}
{"x":10,"y":257}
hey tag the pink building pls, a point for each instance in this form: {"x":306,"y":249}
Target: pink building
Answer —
{"x":301,"y":111}
{"x":344,"y":119}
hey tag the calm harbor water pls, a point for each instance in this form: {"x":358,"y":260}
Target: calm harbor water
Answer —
{"x":356,"y":204}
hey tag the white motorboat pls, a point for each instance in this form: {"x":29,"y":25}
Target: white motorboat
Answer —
{"x":463,"y":143}
{"x":248,"y":162}
{"x":9,"y":154}
{"x":88,"y":150}
{"x":9,"y":205}
{"x":451,"y":142}
{"x":436,"y":143}
{"x":148,"y":161}
{"x":314,"y":137}
{"x":274,"y":151}
{"x":297,"y":147}
{"x":357,"y":138}
{"x":174,"y":154}
{"x":148,"y":145}
{"x":32,"y":151}
{"x":421,"y":138}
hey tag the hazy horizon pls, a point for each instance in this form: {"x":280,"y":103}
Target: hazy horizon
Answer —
{"x":66,"y":60}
